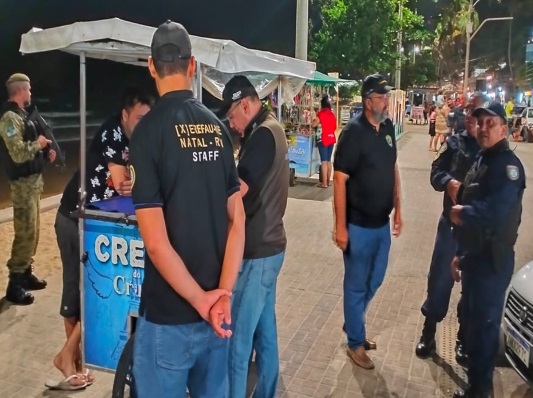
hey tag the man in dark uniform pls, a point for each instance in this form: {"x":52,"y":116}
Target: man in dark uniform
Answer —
{"x":487,"y":221}
{"x":448,"y":170}
{"x":23,"y":152}
{"x":188,"y":204}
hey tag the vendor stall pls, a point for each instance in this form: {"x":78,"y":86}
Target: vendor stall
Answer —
{"x":112,"y":253}
{"x":297,"y":118}
{"x":397,"y":111}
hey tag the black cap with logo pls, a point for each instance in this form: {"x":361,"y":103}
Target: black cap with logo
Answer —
{"x":236,"y":89}
{"x":375,"y":84}
{"x":171,"y":42}
{"x":492,"y":108}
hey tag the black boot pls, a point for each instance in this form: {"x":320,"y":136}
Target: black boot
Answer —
{"x":460,"y":354}
{"x":471,"y":394}
{"x":427,"y":345}
{"x":16,"y":293}
{"x":31,"y":282}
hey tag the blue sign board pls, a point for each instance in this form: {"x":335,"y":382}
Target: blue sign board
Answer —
{"x":113,"y":275}
{"x":303,"y":156}
{"x":529,"y":52}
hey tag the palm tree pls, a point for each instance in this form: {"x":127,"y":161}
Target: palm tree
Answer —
{"x":451,"y":35}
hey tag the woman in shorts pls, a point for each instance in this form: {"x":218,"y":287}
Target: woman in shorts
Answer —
{"x":326,"y":124}
{"x":432,"y":119}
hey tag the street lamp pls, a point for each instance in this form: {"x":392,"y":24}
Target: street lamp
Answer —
{"x":469,"y":36}
{"x":416,"y":49}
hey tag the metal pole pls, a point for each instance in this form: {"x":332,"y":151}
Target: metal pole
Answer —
{"x":466,"y":77}
{"x":279,"y":99}
{"x":302,"y":29}
{"x":199,"y":81}
{"x":83,"y":151}
{"x":398,"y":78}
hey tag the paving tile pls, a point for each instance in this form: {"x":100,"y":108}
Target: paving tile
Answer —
{"x":313,"y":361}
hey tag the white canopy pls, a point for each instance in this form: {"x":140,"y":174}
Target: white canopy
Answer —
{"x":127,"y":42}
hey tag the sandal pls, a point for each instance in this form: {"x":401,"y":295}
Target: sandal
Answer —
{"x":65,"y":384}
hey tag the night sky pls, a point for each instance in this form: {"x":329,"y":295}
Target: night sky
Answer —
{"x":262,"y":24}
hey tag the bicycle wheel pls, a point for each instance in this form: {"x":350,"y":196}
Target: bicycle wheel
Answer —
{"x":123,"y":382}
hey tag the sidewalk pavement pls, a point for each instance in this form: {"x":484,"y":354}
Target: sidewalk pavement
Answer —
{"x":312,"y":345}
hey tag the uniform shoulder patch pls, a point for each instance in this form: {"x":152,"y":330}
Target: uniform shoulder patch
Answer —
{"x":442,"y":149}
{"x":132,"y":175}
{"x":389,"y":140}
{"x":512,"y":172}
{"x":10,"y":130}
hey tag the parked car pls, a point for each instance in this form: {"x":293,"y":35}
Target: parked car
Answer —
{"x":517,"y":324}
{"x":515,"y":114}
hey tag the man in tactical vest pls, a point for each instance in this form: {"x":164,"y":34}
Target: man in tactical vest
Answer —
{"x":486,"y":218}
{"x":448,"y":170}
{"x":23,"y":154}
{"x":264,"y":175}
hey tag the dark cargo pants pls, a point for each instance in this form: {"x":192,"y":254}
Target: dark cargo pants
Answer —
{"x":484,"y":289}
{"x":440,"y":281}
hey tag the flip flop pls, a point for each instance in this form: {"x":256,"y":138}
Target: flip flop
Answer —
{"x":321,"y":186}
{"x":64,"y":385}
{"x":87,"y":374}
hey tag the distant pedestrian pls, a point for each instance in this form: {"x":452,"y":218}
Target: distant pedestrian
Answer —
{"x":326,"y":123}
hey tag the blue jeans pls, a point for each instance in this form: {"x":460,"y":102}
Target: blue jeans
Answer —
{"x":365,"y":263}
{"x":254,"y":327}
{"x":484,"y":290}
{"x":168,"y":359}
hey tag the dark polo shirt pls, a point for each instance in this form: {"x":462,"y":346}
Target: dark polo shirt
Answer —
{"x":368,"y":157}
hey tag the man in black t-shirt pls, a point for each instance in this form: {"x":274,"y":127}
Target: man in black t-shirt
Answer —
{"x":189,"y":209}
{"x":366,"y":190}
{"x":264,"y":174}
{"x":107,"y":176}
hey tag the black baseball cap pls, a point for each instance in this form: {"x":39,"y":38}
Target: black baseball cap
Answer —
{"x":171,"y":42}
{"x":375,"y":84}
{"x":236,"y":89}
{"x":493,"y":109}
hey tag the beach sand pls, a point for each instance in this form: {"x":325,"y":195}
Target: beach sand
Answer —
{"x":47,"y":260}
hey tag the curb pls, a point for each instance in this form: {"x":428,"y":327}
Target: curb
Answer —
{"x":6,"y":215}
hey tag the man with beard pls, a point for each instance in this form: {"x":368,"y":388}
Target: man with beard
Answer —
{"x":23,"y":152}
{"x":366,"y":154}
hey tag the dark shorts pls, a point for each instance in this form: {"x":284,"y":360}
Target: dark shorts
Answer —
{"x":68,"y":241}
{"x":432,"y":128}
{"x":325,"y":152}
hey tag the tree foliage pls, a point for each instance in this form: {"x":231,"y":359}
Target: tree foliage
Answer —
{"x":419,"y":72}
{"x":450,"y":39}
{"x":359,"y":37}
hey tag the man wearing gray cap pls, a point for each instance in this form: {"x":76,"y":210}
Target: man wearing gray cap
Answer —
{"x":189,"y":209}
{"x":22,"y":150}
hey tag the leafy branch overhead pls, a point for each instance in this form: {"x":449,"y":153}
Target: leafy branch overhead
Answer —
{"x":358,"y":37}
